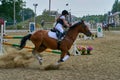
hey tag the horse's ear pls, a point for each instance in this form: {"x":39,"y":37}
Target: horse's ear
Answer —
{"x":82,"y":21}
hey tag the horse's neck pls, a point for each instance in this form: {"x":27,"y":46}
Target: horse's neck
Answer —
{"x":72,"y":34}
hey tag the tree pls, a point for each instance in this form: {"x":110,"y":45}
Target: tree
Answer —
{"x":6,"y":9}
{"x":94,"y":18}
{"x":28,"y":13}
{"x":45,"y":12}
{"x":115,"y":7}
{"x":118,"y":6}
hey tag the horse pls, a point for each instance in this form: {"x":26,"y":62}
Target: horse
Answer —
{"x":42,"y":41}
{"x":107,"y":26}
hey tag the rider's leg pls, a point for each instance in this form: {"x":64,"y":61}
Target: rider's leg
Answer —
{"x":59,"y":28}
{"x":59,"y":36}
{"x":60,"y":31}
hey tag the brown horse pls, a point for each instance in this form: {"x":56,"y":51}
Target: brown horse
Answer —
{"x":106,"y":27}
{"x":42,"y":41}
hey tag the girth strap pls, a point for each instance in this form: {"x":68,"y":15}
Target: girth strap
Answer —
{"x":58,"y":43}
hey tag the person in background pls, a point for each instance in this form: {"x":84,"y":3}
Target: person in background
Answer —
{"x":42,"y":23}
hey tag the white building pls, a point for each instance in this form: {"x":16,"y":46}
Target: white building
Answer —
{"x":115,"y":18}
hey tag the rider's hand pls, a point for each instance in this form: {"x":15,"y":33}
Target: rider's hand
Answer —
{"x":70,"y":24}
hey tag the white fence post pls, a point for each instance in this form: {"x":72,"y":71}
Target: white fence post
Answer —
{"x":1,"y":40}
{"x":99,"y":31}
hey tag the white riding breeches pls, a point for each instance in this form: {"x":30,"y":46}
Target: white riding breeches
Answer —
{"x":59,"y":27}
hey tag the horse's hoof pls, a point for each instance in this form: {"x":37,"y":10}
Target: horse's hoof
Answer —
{"x":59,"y":61}
{"x":40,"y":62}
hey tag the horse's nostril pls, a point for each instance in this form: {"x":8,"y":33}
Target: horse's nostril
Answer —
{"x":89,"y":34}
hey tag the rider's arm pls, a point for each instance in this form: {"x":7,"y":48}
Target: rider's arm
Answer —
{"x":66,"y":23}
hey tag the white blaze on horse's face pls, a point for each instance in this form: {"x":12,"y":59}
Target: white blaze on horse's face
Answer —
{"x":86,"y":29}
{"x":86,"y":26}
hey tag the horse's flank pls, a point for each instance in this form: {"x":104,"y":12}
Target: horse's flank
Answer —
{"x":41,"y":38}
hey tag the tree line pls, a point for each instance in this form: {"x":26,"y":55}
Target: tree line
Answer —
{"x":7,"y":11}
{"x":101,"y":18}
{"x":116,"y":6}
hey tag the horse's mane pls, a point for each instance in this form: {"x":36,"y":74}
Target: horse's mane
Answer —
{"x":74,"y":25}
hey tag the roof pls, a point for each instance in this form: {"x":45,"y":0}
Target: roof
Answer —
{"x":116,"y":13}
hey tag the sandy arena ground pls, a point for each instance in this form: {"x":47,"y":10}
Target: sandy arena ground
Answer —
{"x":103,"y":64}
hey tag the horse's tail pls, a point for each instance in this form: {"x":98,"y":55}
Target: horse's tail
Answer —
{"x":23,"y":41}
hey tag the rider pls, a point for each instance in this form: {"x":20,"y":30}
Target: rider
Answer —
{"x":61,"y":23}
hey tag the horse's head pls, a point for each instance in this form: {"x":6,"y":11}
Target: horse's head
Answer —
{"x":84,"y":29}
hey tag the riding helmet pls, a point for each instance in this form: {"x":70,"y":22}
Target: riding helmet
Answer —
{"x":64,"y":12}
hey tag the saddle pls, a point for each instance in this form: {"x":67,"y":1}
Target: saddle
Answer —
{"x":53,"y":30}
{"x":59,"y":36}
{"x":58,"y":33}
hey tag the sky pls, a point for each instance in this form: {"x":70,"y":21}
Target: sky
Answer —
{"x":78,"y":8}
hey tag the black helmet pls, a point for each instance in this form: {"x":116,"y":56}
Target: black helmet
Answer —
{"x":64,"y":12}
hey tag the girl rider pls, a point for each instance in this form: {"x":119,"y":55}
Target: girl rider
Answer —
{"x":60,"y":23}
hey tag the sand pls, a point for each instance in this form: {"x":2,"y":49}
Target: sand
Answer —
{"x":103,"y":64}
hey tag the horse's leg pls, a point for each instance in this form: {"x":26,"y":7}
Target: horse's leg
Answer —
{"x":105,"y":28}
{"x":64,"y":56}
{"x":39,"y":47}
{"x":36,"y":51}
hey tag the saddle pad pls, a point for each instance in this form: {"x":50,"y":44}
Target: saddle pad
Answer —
{"x":52,"y":35}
